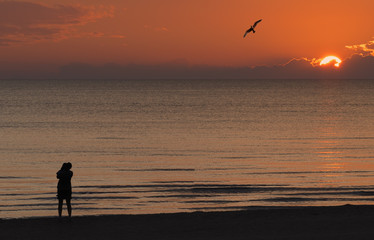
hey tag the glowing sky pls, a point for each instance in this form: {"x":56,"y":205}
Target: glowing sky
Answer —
{"x":198,"y":32}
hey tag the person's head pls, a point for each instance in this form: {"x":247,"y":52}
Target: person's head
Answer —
{"x":68,"y":166}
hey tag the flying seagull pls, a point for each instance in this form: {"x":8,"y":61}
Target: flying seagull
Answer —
{"x":252,"y":29}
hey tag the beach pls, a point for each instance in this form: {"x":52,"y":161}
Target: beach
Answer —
{"x":342,"y":222}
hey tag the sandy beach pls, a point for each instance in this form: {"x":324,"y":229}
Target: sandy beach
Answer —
{"x":344,"y":222}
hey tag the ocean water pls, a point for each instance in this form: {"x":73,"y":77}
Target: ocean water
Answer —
{"x":159,"y":146}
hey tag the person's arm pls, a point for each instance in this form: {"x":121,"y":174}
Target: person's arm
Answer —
{"x":58,"y":174}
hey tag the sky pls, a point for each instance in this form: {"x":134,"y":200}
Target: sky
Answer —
{"x":185,"y":38}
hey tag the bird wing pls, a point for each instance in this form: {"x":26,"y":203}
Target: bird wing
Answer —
{"x":248,"y":31}
{"x":254,"y":25}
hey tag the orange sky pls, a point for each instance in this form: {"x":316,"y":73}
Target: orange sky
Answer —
{"x":197,"y":31}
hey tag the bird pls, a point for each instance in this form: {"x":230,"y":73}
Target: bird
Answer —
{"x":252,"y":29}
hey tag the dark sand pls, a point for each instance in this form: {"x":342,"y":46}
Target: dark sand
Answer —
{"x":345,"y":222}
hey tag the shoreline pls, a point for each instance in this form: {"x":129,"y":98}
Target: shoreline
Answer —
{"x":330,"y":222}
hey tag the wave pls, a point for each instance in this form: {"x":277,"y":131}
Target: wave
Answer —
{"x":158,"y":170}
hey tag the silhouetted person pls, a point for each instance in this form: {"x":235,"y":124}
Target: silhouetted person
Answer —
{"x":64,"y":187}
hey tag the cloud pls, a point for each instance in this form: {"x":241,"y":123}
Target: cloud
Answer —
{"x":363,"y":49}
{"x":156,"y":29}
{"x":27,"y":22}
{"x":164,"y":29}
{"x":355,"y":67}
{"x":117,"y":36}
{"x":358,"y":66}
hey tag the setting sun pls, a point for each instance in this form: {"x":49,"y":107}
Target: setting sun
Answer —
{"x":328,"y":59}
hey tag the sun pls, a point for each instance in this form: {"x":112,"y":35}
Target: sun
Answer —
{"x":328,"y":59}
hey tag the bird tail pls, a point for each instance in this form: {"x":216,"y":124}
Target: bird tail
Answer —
{"x":254,"y":31}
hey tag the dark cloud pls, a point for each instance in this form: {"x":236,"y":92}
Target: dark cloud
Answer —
{"x":357,"y":66}
{"x":26,"y":22}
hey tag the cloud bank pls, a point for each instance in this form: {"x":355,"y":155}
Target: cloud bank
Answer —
{"x":26,"y":22}
{"x":357,"y":66}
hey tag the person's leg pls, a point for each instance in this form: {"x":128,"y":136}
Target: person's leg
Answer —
{"x":60,"y":201}
{"x":68,"y":203}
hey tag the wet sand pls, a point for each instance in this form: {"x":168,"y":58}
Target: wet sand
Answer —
{"x":344,"y":222}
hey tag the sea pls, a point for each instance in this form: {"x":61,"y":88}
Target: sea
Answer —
{"x":167,"y":146}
